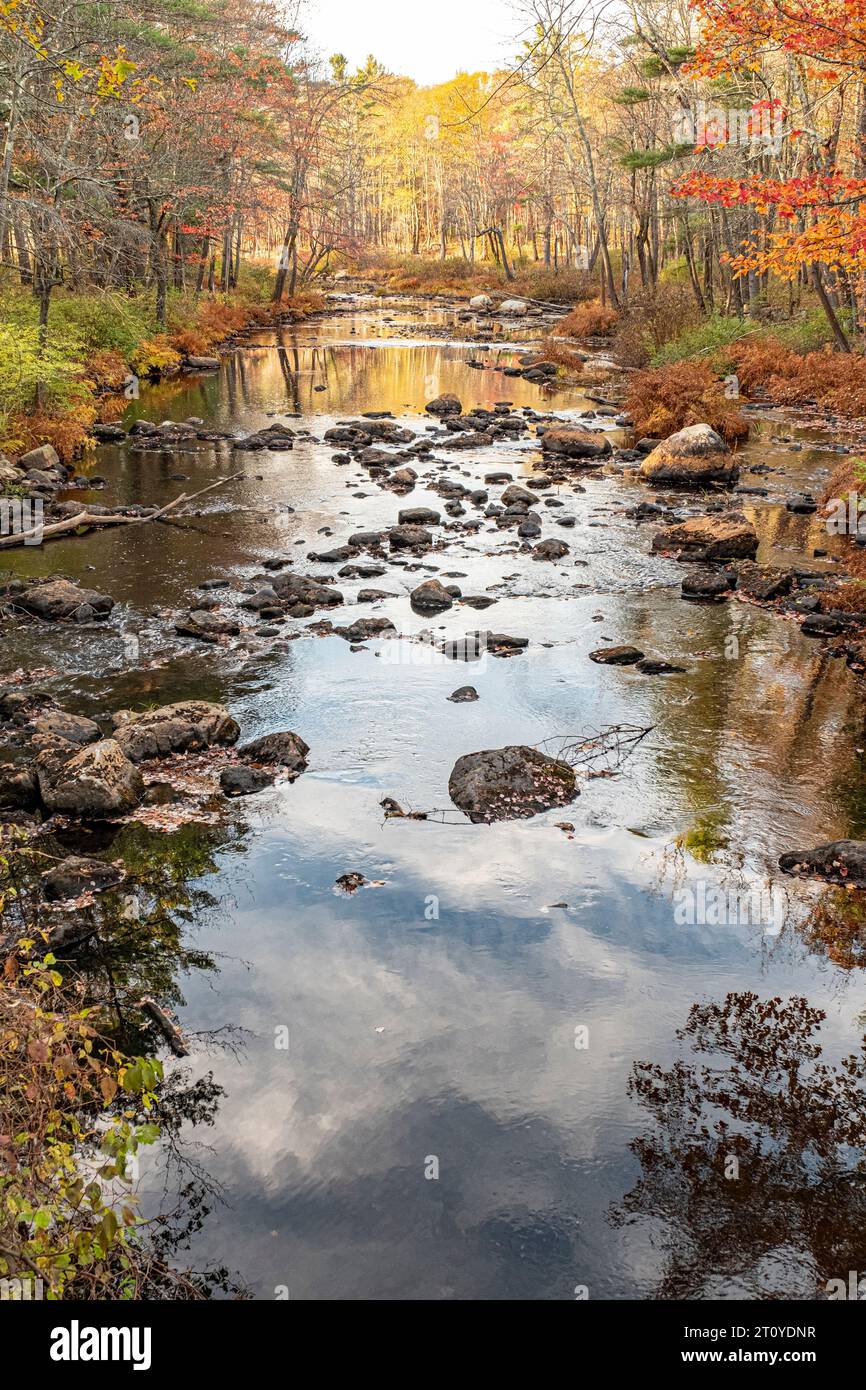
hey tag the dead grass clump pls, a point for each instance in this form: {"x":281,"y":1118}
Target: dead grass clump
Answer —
{"x":590,"y":320}
{"x":834,"y":381}
{"x":550,"y":350}
{"x":663,"y":400}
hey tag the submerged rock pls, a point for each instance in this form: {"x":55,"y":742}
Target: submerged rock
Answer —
{"x":510,"y":783}
{"x":693,"y":457}
{"x":463,"y":695}
{"x":206,"y":626}
{"x":185,"y":727}
{"x":77,"y":875}
{"x":840,"y":861}
{"x":616,"y":656}
{"x":96,"y":782}
{"x":656,"y":666}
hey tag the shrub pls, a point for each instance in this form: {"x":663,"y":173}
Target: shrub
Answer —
{"x":590,"y":320}
{"x":666,"y":399}
{"x":154,"y":356}
{"x":713,"y":337}
{"x":653,"y":319}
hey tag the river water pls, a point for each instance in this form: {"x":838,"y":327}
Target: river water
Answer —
{"x":421,"y":1090}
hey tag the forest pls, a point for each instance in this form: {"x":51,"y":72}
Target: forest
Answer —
{"x":694,"y":167}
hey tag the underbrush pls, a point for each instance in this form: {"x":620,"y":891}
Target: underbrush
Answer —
{"x":52,"y":393}
{"x":835,"y":381}
{"x":461,"y":279}
{"x":552,"y":350}
{"x":663,"y":400}
{"x":589,"y":320}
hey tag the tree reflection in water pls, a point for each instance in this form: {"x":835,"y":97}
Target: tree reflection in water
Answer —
{"x":756,"y":1161}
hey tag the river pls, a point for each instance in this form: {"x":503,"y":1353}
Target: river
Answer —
{"x":420,"y":1090}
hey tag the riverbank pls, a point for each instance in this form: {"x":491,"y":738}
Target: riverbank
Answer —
{"x":99,"y":347}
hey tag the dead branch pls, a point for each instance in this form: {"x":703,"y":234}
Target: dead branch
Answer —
{"x":600,"y":754}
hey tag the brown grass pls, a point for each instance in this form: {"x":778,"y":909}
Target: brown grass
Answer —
{"x":835,"y":381}
{"x":549,"y":350}
{"x":666,"y":399}
{"x":590,"y":320}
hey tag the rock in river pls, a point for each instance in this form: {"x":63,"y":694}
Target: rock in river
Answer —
{"x":840,"y":861}
{"x":298,"y":588}
{"x":74,"y":728}
{"x":409,"y":538}
{"x":708,"y":584}
{"x":574,"y":443}
{"x":238,"y":780}
{"x":185,"y":727}
{"x":206,"y":626}
{"x":616,"y":656}
{"x":444,"y":405}
{"x":551,"y":549}
{"x":78,"y":874}
{"x":719,"y":536}
{"x":431,"y":597}
{"x":510,"y":783}
{"x":96,"y":782}
{"x":692,"y":457}
{"x":284,"y":749}
{"x":58,"y":599}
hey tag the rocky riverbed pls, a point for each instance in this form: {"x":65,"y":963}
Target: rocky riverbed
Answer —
{"x":471,"y":742}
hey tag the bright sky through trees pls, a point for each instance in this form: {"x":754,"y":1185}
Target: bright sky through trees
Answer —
{"x":429,"y":43}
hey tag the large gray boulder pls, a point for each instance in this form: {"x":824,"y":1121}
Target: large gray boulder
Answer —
{"x":693,"y":457}
{"x":95,"y":783}
{"x":510,"y":783}
{"x":185,"y":727}
{"x":59,"y":599}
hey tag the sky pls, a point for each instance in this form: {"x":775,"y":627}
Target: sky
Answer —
{"x":429,"y":42}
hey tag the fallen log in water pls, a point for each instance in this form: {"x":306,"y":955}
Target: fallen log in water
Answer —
{"x":90,"y":520}
{"x":166,"y":1026}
